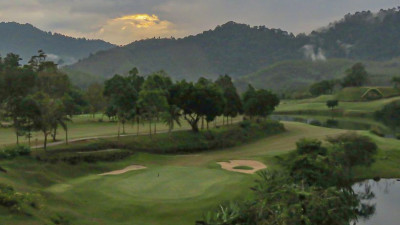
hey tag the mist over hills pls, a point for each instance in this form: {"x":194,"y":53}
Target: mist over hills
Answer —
{"x":26,"y":40}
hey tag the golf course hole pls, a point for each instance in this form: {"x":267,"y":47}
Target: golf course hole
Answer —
{"x":242,"y":166}
{"x":125,"y":170}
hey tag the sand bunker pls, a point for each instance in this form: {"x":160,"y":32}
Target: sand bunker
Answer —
{"x":127,"y":169}
{"x":246,"y":163}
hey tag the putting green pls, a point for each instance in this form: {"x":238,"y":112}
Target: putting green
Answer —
{"x":161,"y":183}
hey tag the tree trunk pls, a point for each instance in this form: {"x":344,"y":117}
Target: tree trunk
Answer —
{"x":45,"y":141}
{"x":202,"y":122}
{"x":66,"y":136}
{"x":155,"y":127}
{"x":55,"y":135}
{"x":150,"y":128}
{"x":207,"y":125}
{"x":123,"y":127}
{"x":16,"y":133}
{"x":119,"y":127}
{"x":137,"y":129}
{"x":195,"y":126}
{"x":223,"y":120}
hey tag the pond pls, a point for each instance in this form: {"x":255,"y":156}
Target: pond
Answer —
{"x":338,"y":123}
{"x":386,"y":201}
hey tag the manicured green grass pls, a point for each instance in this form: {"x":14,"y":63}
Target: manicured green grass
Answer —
{"x":318,"y":106}
{"x":174,"y":189}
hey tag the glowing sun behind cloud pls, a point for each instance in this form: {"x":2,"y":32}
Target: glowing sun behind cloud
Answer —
{"x":125,"y":29}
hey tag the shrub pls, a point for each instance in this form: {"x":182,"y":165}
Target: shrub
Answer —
{"x":14,"y":151}
{"x":310,"y":146}
{"x":15,"y":201}
{"x":377,"y":131}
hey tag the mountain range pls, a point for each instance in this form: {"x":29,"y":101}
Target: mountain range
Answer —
{"x":25,"y":40}
{"x":267,"y":58}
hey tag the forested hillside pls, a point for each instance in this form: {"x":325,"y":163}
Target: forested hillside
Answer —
{"x":232,"y":48}
{"x":26,"y":40}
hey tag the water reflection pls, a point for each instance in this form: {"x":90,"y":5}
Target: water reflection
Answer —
{"x":384,"y":196}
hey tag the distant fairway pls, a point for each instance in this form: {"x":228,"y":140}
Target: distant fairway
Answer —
{"x":318,"y":105}
{"x":172,"y":190}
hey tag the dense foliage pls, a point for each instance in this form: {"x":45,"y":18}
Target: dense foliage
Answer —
{"x":314,"y":188}
{"x":390,"y":115}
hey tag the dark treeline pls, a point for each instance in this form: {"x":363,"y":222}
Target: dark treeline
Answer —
{"x":39,"y":97}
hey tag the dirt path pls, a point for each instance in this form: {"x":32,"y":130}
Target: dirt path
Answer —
{"x":230,"y":166}
{"x":127,"y":169}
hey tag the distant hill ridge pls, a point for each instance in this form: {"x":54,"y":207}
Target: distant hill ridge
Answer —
{"x":239,"y":49}
{"x":26,"y":40}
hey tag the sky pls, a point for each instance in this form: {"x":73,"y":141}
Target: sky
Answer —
{"x":124,"y":21}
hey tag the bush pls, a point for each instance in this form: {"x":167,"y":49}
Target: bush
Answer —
{"x":89,"y":157}
{"x":377,"y":131}
{"x":310,"y":146}
{"x":15,"y":201}
{"x":14,"y":151}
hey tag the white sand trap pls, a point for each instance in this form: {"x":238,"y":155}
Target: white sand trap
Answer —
{"x":127,"y":169}
{"x":235,"y":163}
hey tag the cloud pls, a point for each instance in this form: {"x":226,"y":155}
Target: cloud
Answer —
{"x":310,"y":53}
{"x":123,"y":30}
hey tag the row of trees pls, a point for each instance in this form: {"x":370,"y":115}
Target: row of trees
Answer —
{"x":156,"y":97}
{"x":39,"y":97}
{"x":36,"y":96}
{"x":356,"y":76}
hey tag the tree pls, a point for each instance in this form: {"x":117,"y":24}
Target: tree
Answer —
{"x":95,"y":98}
{"x":137,"y":81}
{"x":353,"y":150}
{"x":197,"y":101}
{"x":396,"y":82}
{"x":356,"y":76}
{"x":48,"y":114}
{"x":390,"y":115}
{"x":16,"y":83}
{"x":153,"y":97}
{"x":152,"y":102}
{"x":233,"y":103}
{"x":123,"y":97}
{"x":332,"y":104}
{"x":322,"y":88}
{"x":259,"y":103}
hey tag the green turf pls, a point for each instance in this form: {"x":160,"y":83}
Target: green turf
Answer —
{"x":174,"y":189}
